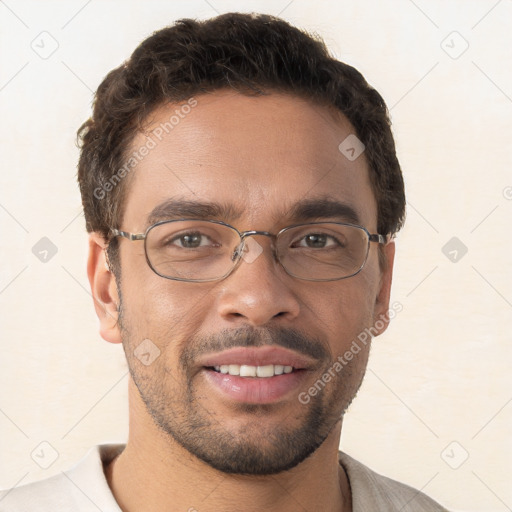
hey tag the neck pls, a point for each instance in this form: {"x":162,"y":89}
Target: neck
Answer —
{"x":154,"y":473}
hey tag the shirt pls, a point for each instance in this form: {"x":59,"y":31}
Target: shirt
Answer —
{"x":84,"y":488}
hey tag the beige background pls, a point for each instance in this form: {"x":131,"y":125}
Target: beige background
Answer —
{"x":438,"y":387}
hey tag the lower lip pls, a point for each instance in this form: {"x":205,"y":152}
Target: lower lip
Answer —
{"x":255,"y":390}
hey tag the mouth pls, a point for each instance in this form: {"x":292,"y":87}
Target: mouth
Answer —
{"x":256,"y":375}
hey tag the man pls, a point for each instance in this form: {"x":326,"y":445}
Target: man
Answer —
{"x":241,"y":191}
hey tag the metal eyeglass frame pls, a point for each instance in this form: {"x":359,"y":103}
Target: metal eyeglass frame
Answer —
{"x":237,"y":255}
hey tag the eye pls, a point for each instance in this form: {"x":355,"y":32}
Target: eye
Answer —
{"x":317,"y":241}
{"x":191,"y":240}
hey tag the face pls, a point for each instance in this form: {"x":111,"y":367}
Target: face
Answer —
{"x":253,"y":162}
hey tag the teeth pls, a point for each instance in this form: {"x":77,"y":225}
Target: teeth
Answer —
{"x":245,"y":370}
{"x":265,"y":371}
{"x":234,"y":369}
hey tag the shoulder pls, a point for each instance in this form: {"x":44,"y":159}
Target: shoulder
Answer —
{"x":81,"y":488}
{"x":54,"y":493}
{"x":371,"y":491}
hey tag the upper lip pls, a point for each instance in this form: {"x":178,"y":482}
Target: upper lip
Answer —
{"x":259,"y":356}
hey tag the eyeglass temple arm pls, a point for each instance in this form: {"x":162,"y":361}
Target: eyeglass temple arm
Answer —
{"x":381,"y":239}
{"x":130,"y":236}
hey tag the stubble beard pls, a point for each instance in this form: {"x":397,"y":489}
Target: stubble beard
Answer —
{"x":182,"y":414}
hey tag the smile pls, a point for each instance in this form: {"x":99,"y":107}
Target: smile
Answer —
{"x":256,"y":375}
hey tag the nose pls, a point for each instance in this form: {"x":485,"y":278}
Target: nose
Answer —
{"x":259,"y":290}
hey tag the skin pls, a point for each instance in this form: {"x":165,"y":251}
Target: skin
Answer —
{"x":261,"y":155}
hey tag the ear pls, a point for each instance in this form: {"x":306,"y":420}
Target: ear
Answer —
{"x":104,"y":289}
{"x":381,"y":310}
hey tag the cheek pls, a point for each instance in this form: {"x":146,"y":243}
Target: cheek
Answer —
{"x":345,"y":309}
{"x":168,"y":307}
{"x":158,"y":309}
{"x":149,"y":297}
{"x":160,"y":322}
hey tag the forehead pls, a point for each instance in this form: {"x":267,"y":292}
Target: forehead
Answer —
{"x":256,"y":156}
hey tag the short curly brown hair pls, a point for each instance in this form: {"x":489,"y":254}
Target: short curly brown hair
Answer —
{"x":252,"y":54}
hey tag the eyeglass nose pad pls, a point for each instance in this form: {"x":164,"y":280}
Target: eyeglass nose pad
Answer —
{"x":238,"y":251}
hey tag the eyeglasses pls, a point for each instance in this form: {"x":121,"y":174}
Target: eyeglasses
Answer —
{"x":209,"y":250}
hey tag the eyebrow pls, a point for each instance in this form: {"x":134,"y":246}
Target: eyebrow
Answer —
{"x":180,"y":208}
{"x":304,"y":210}
{"x":323,"y":208}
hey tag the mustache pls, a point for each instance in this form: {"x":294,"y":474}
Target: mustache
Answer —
{"x":292,"y":339}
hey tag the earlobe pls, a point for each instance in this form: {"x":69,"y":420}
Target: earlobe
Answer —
{"x":103,"y":289}
{"x":381,"y":316}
